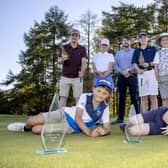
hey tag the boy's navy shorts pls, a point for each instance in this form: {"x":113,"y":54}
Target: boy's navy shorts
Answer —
{"x":155,"y":120}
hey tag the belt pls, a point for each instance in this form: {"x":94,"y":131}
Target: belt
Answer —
{"x":148,"y":69}
{"x":131,"y":75}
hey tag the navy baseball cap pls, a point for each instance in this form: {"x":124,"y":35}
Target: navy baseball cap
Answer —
{"x":104,"y":82}
{"x":142,"y":34}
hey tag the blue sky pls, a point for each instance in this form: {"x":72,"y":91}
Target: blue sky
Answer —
{"x":17,"y":16}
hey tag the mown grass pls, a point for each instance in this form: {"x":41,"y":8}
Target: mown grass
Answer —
{"x":17,"y":150}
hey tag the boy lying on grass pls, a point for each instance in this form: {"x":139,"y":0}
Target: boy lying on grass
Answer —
{"x":153,"y":122}
{"x":90,"y":109}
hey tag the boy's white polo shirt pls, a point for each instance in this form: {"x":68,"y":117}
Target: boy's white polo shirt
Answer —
{"x":85,"y":117}
{"x":102,"y":60}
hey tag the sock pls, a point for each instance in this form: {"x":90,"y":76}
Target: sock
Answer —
{"x":27,"y":129}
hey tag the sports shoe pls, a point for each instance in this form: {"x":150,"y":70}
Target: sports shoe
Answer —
{"x":18,"y":127}
{"x":117,"y":121}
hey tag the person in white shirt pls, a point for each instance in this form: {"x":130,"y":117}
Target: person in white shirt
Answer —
{"x":92,"y":108}
{"x":102,"y":62}
{"x":161,"y":67}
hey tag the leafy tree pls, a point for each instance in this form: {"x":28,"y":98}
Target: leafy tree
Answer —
{"x":4,"y":102}
{"x":161,"y":16}
{"x":36,"y":83}
{"x":88,"y":24}
{"x":127,"y":19}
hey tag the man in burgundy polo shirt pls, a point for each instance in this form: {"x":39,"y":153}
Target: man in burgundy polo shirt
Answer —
{"x":73,"y":57}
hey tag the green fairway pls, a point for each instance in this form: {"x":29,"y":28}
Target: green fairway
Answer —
{"x":17,"y":150}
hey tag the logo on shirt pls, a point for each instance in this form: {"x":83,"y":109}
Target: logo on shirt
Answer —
{"x":98,"y":113}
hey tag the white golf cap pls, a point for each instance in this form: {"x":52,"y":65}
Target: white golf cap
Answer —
{"x":105,"y":41}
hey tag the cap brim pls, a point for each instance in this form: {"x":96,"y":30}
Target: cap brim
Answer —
{"x":142,"y":35}
{"x":104,"y":44}
{"x":104,"y":85}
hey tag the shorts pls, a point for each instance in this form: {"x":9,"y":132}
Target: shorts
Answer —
{"x":147,"y":83}
{"x":66,"y":83}
{"x":163,"y":88}
{"x":155,"y":121}
{"x":55,"y":119}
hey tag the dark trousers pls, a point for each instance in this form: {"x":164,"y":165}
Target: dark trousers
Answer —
{"x":123,"y":84}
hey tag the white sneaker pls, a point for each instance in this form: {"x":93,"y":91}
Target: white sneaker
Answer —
{"x":18,"y":127}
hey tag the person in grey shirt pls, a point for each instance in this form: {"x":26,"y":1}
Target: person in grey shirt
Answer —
{"x":126,"y":78}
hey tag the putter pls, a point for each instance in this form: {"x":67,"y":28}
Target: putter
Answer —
{"x":81,"y":84}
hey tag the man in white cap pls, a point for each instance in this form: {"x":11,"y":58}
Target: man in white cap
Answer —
{"x":102,"y":62}
{"x":73,"y":57}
